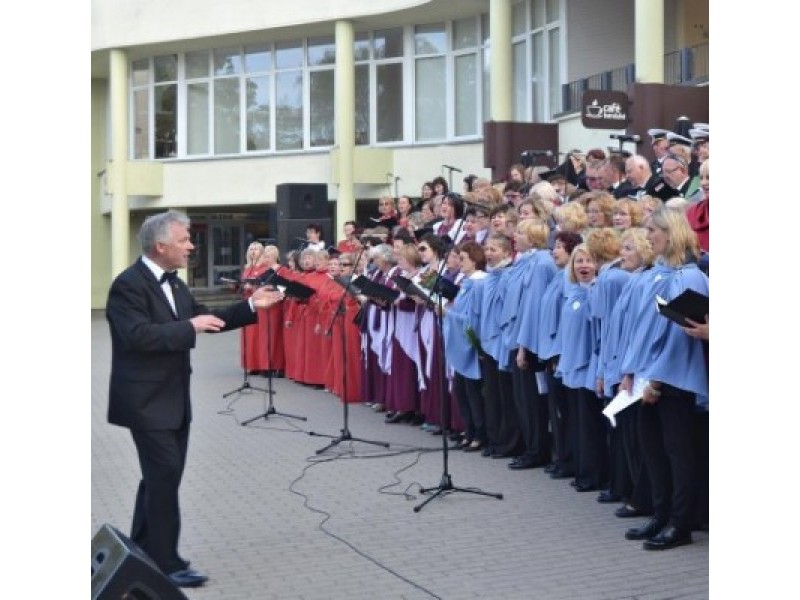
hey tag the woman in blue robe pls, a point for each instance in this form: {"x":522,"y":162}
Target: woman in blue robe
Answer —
{"x":549,"y":319}
{"x":604,"y":244}
{"x":673,"y":365}
{"x":636,"y":256}
{"x":576,"y":347}
{"x":461,"y":345}
{"x":498,"y":258}
{"x":521,"y":319}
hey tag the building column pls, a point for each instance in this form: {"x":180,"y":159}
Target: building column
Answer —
{"x":501,"y":81}
{"x":649,"y":41}
{"x":120,"y":216}
{"x":345,"y":101}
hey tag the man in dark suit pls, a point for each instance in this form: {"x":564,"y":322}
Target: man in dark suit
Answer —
{"x":154,"y":322}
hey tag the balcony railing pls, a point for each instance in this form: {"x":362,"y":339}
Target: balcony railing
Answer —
{"x":688,"y":66}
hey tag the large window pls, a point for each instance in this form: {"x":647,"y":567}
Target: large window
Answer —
{"x":388,"y":52}
{"x":198,"y":103}
{"x":258,"y":85}
{"x":321,"y":59}
{"x":417,"y":83}
{"x":289,"y":96}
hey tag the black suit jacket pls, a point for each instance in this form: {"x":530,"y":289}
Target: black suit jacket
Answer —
{"x":150,"y":366}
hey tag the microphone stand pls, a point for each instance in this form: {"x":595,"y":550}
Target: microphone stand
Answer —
{"x":446,"y":483}
{"x":450,"y":175}
{"x":345,"y":434}
{"x":246,"y":383}
{"x":269,"y":392}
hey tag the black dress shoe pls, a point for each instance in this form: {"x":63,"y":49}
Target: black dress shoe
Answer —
{"x":496,"y":454}
{"x":669,"y":537}
{"x":627,"y":511}
{"x":187,"y":578}
{"x":522,"y":464}
{"x":560,"y":473}
{"x":646,"y":531}
{"x":398,"y":417}
{"x":606,"y":497}
{"x":474,"y":446}
{"x":585,"y":487}
{"x":487,"y":452}
{"x":550,"y":468}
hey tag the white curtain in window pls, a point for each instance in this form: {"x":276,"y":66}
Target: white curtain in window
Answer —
{"x":430,"y":109}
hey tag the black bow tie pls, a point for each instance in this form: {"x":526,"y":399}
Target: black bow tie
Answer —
{"x":170,"y":276}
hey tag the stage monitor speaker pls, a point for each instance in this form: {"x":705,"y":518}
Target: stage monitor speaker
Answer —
{"x":302,"y":201}
{"x":292,"y":233}
{"x":122,"y":570}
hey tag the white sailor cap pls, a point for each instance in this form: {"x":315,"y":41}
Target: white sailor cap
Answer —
{"x":657,"y":134}
{"x":674,"y":138}
{"x":699,"y":135}
{"x":701,"y":126}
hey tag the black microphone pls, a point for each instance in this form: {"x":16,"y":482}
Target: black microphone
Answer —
{"x":538,"y":153}
{"x":625,"y":138}
{"x":453,"y":168}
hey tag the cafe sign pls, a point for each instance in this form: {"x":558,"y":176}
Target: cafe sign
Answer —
{"x":602,"y":109}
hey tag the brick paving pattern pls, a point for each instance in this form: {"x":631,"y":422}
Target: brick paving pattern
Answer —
{"x":266,"y":517}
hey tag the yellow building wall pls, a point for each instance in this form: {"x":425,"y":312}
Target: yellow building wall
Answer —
{"x":100,"y":226}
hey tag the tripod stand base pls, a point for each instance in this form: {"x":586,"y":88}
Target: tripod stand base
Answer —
{"x":271,"y":411}
{"x":446,"y":486}
{"x":345,"y":437}
{"x":245,"y":386}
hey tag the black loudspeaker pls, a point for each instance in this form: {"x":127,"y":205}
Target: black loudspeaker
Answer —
{"x":292,"y":233}
{"x":122,"y":571}
{"x":302,"y":201}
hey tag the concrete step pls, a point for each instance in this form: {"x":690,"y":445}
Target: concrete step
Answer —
{"x":215,"y":298}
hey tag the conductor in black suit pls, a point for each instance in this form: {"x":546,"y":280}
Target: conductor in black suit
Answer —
{"x":154,"y":322}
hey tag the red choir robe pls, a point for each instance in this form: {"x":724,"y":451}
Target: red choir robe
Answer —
{"x":317,"y":345}
{"x":253,"y":340}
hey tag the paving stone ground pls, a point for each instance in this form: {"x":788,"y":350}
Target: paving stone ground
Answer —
{"x":267,"y":517}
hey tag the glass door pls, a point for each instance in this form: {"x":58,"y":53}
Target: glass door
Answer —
{"x":225,"y":251}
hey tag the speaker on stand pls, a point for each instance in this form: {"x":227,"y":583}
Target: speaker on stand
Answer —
{"x":299,"y":205}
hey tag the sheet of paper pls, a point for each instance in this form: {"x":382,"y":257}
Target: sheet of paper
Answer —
{"x":624,"y":399}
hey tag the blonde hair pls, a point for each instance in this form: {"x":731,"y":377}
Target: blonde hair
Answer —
{"x":571,"y":264}
{"x":248,"y":262}
{"x":603,"y":244}
{"x":571,"y":217}
{"x":682,"y":244}
{"x":536,"y":232}
{"x":638,"y":235}
{"x":634,"y":210}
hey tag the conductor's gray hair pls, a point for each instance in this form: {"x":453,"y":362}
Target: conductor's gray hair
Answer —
{"x":156,"y":228}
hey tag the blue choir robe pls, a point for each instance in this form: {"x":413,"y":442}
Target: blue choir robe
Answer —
{"x":550,"y":315}
{"x":575,"y":341}
{"x":491,"y":306}
{"x":541,"y":271}
{"x":460,"y":316}
{"x":510,"y":289}
{"x":617,"y":331}
{"x":665,"y":352}
{"x":603,"y":295}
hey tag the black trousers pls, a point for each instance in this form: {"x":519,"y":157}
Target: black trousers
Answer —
{"x":619,"y":477}
{"x":628,"y":424}
{"x":509,"y":434}
{"x":558,"y":414}
{"x":591,"y":449}
{"x":470,"y":403}
{"x":156,"y":516}
{"x":491,"y":400}
{"x":665,"y":435}
{"x":531,"y":407}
